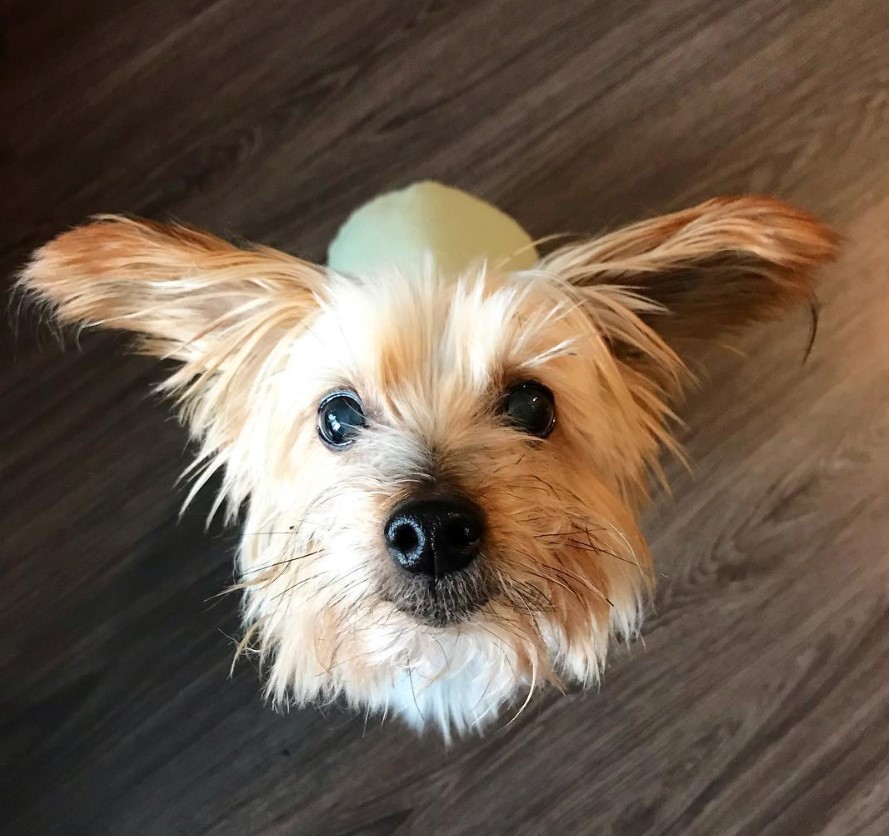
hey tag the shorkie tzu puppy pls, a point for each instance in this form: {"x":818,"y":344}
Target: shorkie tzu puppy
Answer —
{"x":440,"y":474}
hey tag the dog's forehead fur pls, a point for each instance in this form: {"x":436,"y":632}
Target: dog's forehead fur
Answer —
{"x":437,"y":339}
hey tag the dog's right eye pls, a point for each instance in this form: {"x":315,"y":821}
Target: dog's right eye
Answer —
{"x":531,"y":408}
{"x":340,"y":419}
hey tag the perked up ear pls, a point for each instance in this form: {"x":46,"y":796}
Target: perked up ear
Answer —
{"x":707,"y":270}
{"x":187,"y":294}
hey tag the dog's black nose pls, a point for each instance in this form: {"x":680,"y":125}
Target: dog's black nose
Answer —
{"x":435,"y":536}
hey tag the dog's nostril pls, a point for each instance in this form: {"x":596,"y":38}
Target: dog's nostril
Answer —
{"x":404,"y":538}
{"x":462,"y":534}
{"x":435,"y":536}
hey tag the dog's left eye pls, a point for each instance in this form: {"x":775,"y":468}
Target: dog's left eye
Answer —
{"x":340,"y":419}
{"x":531,"y":408}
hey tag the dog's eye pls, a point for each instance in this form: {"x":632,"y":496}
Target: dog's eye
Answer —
{"x":531,"y":408}
{"x":340,"y":419}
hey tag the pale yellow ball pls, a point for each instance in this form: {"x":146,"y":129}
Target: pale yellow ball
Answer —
{"x":399,"y":228}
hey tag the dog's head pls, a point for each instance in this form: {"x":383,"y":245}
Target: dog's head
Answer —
{"x":441,"y":473}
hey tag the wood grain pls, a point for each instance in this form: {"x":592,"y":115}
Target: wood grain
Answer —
{"x":759,"y":699}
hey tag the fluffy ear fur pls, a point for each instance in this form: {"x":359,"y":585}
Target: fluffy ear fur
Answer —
{"x":187,"y":293}
{"x":707,"y":270}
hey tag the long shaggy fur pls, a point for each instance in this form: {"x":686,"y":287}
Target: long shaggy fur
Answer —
{"x":261,"y":337}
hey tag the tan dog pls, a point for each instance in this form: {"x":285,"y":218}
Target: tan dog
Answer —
{"x":441,"y":474}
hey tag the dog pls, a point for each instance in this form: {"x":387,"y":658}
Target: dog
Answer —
{"x":439,"y":475}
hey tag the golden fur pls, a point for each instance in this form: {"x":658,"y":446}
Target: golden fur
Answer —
{"x":262,"y":337}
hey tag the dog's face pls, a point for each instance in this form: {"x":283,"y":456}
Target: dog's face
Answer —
{"x":441,"y":473}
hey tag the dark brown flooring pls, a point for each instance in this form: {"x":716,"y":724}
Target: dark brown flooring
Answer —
{"x":759,"y":702}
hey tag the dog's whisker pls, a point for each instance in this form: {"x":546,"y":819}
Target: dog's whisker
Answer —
{"x":286,"y":561}
{"x":287,"y":533}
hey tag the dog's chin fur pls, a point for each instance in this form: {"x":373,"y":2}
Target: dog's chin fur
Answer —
{"x":262,"y":338}
{"x":440,"y":602}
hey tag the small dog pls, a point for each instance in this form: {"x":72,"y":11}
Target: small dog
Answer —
{"x":440,"y":474}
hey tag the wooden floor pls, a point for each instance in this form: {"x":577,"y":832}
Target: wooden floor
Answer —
{"x":759,"y":701}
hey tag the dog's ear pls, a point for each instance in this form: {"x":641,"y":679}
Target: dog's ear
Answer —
{"x":183,"y":291}
{"x":707,"y":270}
